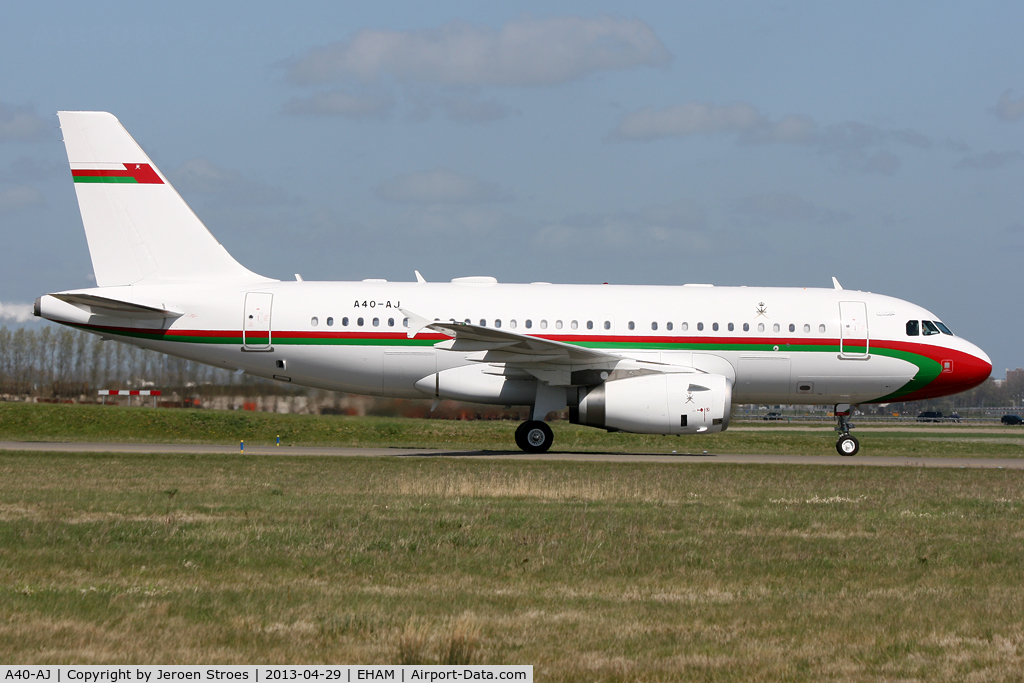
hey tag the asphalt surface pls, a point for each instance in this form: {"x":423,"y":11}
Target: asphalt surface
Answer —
{"x":679,"y":458}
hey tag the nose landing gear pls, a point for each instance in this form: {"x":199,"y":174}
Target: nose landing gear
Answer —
{"x":847,"y":444}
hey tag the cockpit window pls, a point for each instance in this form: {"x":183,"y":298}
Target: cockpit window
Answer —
{"x":913,"y":328}
{"x":945,"y":330}
{"x":928,"y":328}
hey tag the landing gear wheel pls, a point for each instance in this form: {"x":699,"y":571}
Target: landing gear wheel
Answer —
{"x":534,"y":436}
{"x":847,"y":445}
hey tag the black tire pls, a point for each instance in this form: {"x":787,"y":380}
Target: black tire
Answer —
{"x":534,"y":436}
{"x":847,"y":445}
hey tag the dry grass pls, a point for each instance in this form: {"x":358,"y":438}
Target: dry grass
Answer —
{"x":608,"y":572}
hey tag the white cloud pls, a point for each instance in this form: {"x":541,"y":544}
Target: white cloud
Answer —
{"x":1008,"y":109}
{"x":226,"y":186}
{"x":22,"y":124}
{"x":882,"y":162}
{"x":692,"y":118}
{"x":438,"y":186}
{"x":344,"y":104}
{"x":471,"y":110}
{"x":19,"y":313}
{"x":676,"y":226}
{"x":525,"y":52}
{"x":857,"y":145}
{"x":17,"y":198}
{"x":989,"y":160}
{"x":787,"y":207}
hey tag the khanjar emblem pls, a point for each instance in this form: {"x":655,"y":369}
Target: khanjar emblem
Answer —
{"x":689,"y":397}
{"x":762,"y":309}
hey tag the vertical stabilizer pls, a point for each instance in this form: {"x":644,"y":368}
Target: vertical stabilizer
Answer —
{"x":139,"y":228}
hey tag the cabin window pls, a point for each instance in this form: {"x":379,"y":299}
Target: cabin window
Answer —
{"x":928,"y":328}
{"x":731,"y":327}
{"x":512,"y":324}
{"x":528,"y":323}
{"x":543,"y":324}
{"x":684,"y":327}
{"x":497,"y":322}
{"x":574,"y":324}
{"x":776,"y":327}
{"x":359,"y":321}
{"x":344,"y":321}
{"x":391,"y":322}
{"x":376,"y":322}
{"x":631,"y":325}
{"x":558,"y":324}
{"x":700,"y":327}
{"x":714,"y":327}
{"x":483,"y":323}
{"x":792,"y":327}
{"x":821,"y":328}
{"x":590,"y":324}
{"x":746,"y":327}
{"x":807,"y":328}
{"x":607,"y":324}
{"x":654,"y":326}
{"x":314,"y":321}
{"x":405,"y":322}
{"x":760,"y":327}
{"x":668,"y":326}
{"x":330,"y":322}
{"x":945,"y":330}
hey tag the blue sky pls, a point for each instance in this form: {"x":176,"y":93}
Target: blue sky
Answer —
{"x":742,"y":143}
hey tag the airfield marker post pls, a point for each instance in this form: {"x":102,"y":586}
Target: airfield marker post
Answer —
{"x":241,"y":445}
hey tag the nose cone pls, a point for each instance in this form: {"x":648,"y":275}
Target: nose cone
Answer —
{"x":973,"y":369}
{"x":961,"y":370}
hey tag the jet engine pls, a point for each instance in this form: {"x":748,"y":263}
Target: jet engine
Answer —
{"x":685,"y":403}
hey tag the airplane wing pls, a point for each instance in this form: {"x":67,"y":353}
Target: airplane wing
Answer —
{"x":554,"y":362}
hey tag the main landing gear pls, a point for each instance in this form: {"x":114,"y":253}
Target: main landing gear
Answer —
{"x":847,"y":444}
{"x":534,"y":436}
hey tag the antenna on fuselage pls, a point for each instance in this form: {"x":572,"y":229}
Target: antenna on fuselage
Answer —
{"x":835,"y":283}
{"x":419,"y":278}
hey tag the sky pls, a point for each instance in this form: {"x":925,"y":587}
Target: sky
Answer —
{"x":734,"y":143}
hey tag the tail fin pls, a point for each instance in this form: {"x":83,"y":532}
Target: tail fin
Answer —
{"x":139,"y":228}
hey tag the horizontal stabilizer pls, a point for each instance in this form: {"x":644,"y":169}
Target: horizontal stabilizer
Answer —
{"x":101,"y":305}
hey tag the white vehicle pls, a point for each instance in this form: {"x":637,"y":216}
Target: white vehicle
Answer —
{"x":647,"y":359}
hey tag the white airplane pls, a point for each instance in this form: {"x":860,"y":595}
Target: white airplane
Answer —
{"x":645,"y":359}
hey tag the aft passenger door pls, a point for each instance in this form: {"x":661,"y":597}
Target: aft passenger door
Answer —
{"x":853,"y":329}
{"x":256,"y":321}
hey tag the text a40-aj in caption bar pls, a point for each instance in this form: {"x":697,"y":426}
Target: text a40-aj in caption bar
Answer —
{"x":110,"y":673}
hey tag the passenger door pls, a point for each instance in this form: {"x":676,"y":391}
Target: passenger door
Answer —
{"x":256,"y":335}
{"x":853,"y":330}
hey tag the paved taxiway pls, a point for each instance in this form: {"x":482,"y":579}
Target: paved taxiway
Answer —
{"x":881,"y":461}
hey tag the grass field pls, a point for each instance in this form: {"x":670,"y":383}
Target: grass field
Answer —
{"x":591,"y":572}
{"x":46,"y":422}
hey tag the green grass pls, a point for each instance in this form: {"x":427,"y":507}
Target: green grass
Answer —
{"x":49,"y":422}
{"x":591,"y":572}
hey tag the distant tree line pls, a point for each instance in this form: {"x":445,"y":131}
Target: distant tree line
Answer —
{"x":64,"y":363}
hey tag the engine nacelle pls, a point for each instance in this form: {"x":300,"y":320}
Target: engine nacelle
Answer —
{"x":656,"y":404}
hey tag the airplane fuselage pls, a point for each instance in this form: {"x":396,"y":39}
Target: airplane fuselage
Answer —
{"x":777,"y":345}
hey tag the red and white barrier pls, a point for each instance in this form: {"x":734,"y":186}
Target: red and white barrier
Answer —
{"x":129,"y":392}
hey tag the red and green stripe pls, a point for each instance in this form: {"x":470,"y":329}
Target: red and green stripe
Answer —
{"x":140,"y":174}
{"x":928,"y":368}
